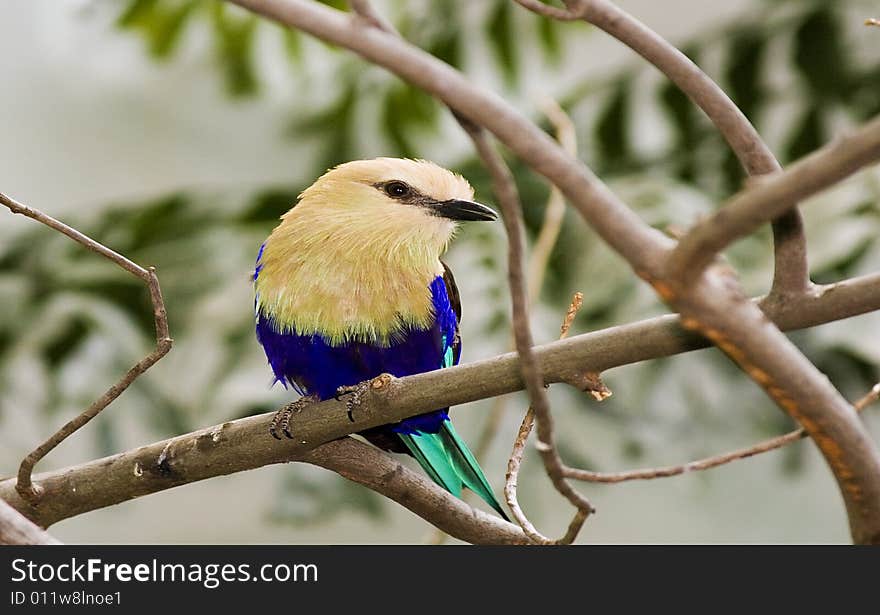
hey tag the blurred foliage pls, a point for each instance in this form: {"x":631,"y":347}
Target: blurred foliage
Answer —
{"x":798,"y":68}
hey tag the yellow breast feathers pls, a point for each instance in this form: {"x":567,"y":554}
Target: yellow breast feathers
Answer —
{"x":351,"y":263}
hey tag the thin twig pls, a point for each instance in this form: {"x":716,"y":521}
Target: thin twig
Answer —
{"x":538,"y":259}
{"x":516,"y":455}
{"x":710,"y":462}
{"x":508,"y":199}
{"x":25,"y":485}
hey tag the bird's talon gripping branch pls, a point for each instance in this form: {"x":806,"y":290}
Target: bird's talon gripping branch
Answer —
{"x":283,"y":416}
{"x":357,"y":391}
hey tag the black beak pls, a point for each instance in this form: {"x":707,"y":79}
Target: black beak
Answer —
{"x":466,"y":211}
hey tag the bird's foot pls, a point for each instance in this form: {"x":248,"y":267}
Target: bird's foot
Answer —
{"x":357,"y":391}
{"x":283,"y":416}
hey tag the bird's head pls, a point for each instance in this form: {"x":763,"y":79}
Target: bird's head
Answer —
{"x":398,"y":203}
{"x":355,"y":257}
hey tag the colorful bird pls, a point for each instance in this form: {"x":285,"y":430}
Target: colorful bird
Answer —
{"x":350,"y":285}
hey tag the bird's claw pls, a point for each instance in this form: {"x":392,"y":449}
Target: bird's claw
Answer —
{"x":357,"y":391}
{"x":283,"y":416}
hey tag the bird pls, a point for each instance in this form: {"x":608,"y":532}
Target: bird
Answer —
{"x":350,"y":286}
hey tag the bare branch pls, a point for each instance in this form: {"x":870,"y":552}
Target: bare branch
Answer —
{"x":508,"y":199}
{"x":242,"y":445}
{"x":715,"y":460}
{"x":791,"y":271}
{"x":79,"y":489}
{"x":767,"y":197}
{"x":372,"y":468}
{"x":16,"y":529}
{"x":163,"y":342}
{"x":516,"y":455}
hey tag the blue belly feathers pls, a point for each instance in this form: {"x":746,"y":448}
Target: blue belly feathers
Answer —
{"x":311,"y":366}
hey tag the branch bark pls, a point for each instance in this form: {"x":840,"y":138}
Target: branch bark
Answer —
{"x":791,"y":274}
{"x":16,"y":529}
{"x":243,"y":445}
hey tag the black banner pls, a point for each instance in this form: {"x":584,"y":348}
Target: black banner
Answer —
{"x":383,"y":578}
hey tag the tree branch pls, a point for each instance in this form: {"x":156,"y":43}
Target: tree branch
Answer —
{"x":791,"y":274}
{"x":508,"y":198}
{"x":714,"y":461}
{"x":16,"y":529}
{"x":242,"y":445}
{"x":767,"y":197}
{"x":515,"y":460}
{"x":25,"y":486}
{"x":245,"y":445}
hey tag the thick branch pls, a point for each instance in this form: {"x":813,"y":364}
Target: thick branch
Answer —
{"x":246,"y":445}
{"x":243,"y":445}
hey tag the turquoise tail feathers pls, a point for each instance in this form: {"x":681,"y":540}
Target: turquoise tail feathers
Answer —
{"x":449,"y":462}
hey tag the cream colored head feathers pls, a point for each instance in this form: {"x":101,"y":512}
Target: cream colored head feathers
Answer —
{"x":353,"y":260}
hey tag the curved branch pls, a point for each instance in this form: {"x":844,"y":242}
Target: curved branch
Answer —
{"x":515,"y":460}
{"x":25,"y":486}
{"x":791,"y":274}
{"x":508,"y":198}
{"x":769,"y":196}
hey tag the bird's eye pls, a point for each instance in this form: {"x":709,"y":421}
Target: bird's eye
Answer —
{"x":397,"y":189}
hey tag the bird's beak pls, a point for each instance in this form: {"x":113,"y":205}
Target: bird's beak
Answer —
{"x":466,"y":211}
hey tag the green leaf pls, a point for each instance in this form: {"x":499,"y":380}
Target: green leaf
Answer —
{"x":820,"y":56}
{"x":744,"y":71}
{"x":160,"y":23}
{"x":548,"y":35}
{"x":405,"y":110}
{"x":235,"y":48}
{"x":73,"y":332}
{"x":136,"y":12}
{"x":613,"y":128}
{"x":808,"y":134}
{"x":502,"y":38}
